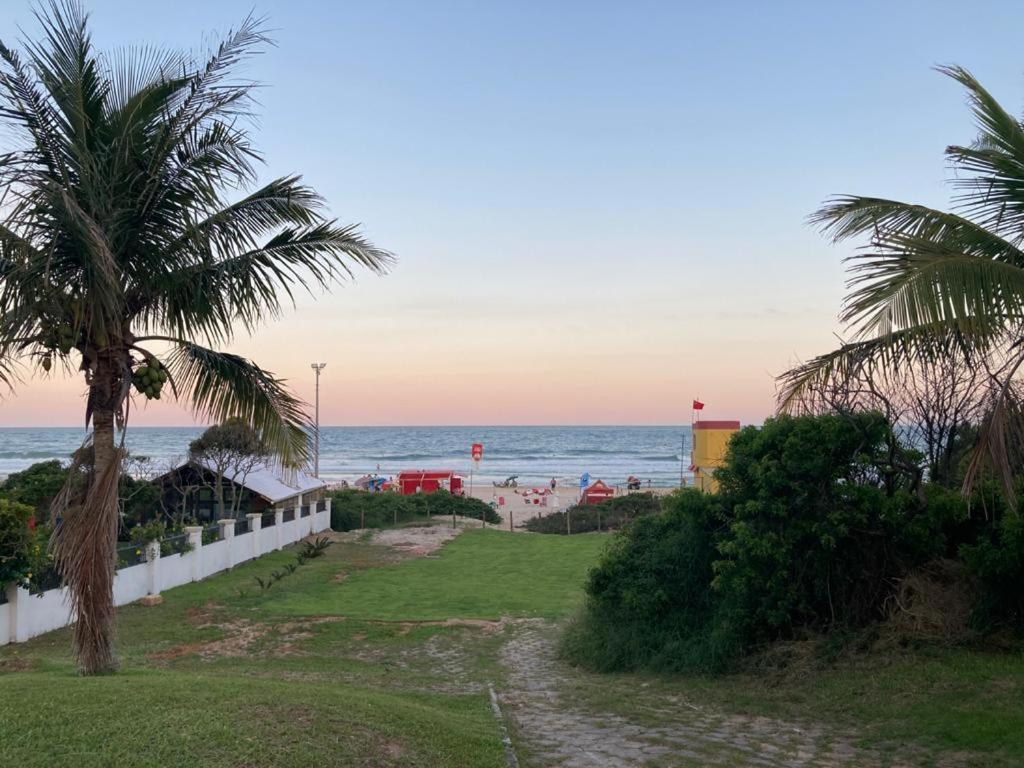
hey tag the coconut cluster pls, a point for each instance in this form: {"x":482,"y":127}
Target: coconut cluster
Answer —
{"x":60,"y":336}
{"x":149,"y":378}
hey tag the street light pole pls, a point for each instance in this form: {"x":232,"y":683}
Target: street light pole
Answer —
{"x":316,"y":424}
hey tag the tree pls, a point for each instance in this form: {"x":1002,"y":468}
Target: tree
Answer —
{"x":232,"y":449}
{"x":932,"y":408}
{"x":119,"y":232}
{"x":931,"y":285}
{"x":36,"y":486}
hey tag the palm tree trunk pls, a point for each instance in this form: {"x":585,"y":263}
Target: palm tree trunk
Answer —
{"x":94,"y":631}
{"x":85,"y":541}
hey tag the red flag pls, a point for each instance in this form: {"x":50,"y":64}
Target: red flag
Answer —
{"x":698,"y":405}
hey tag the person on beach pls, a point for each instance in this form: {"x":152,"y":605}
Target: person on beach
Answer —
{"x":554,"y":484}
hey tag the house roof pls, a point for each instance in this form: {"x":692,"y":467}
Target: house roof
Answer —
{"x":272,"y":483}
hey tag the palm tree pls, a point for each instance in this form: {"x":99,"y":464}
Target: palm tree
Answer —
{"x":117,"y":233}
{"x":932,"y":285}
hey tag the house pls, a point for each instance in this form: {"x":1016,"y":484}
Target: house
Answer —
{"x":597,"y":492}
{"x":428,"y":481}
{"x":256,"y":488}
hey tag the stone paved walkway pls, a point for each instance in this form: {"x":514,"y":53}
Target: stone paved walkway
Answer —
{"x":550,"y":730}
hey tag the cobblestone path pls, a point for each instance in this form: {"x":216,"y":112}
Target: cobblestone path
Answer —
{"x":551,"y":730}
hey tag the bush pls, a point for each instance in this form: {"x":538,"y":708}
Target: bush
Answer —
{"x":813,"y":528}
{"x":649,"y":602}
{"x":997,"y":561}
{"x":172,"y":539}
{"x":19,"y":546}
{"x":36,"y":486}
{"x":610,"y":515}
{"x":812,"y":539}
{"x":351,"y":508}
{"x":40,"y":483}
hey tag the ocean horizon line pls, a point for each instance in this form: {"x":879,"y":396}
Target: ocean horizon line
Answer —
{"x":383,"y":426}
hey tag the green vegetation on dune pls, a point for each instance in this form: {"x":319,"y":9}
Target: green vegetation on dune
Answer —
{"x":483,"y":574}
{"x":352,"y":509}
{"x":609,"y":515}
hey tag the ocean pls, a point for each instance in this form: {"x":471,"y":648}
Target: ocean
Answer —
{"x":536,"y":454}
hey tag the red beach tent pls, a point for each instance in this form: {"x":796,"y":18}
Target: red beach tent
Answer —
{"x":428,"y":481}
{"x":597,"y":492}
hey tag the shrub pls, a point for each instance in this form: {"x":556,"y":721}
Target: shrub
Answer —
{"x":609,"y":515}
{"x":352,"y":508}
{"x":810,"y":539}
{"x":813,"y":527}
{"x":19,"y":546}
{"x":36,"y":486}
{"x":649,"y":602}
{"x":996,"y":559}
{"x":172,"y":540}
{"x":41,"y":482}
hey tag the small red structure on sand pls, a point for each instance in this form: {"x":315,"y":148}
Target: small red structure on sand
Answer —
{"x":597,"y":492}
{"x":428,"y":481}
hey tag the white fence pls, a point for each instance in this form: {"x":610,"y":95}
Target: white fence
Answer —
{"x":25,"y":616}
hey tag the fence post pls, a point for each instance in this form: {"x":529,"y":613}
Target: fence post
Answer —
{"x":278,"y":523}
{"x":153,"y":567}
{"x":18,"y":607}
{"x":255,"y":523}
{"x":327,"y":506}
{"x":195,"y":538}
{"x":227,"y":532}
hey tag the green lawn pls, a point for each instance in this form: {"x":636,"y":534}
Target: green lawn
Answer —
{"x":483,"y":574}
{"x":223,"y":674}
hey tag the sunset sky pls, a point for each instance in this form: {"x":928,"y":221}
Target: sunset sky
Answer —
{"x":598,"y":208}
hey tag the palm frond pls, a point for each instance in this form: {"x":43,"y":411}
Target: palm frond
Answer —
{"x":219,"y":386}
{"x":915,"y":282}
{"x":921,"y":345}
{"x":993,"y":193}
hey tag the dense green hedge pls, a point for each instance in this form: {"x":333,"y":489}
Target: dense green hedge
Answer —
{"x":812,"y":532}
{"x":610,"y":515}
{"x":353,"y":509}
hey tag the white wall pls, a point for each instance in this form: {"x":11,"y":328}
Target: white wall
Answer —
{"x":25,"y":616}
{"x":130,"y":584}
{"x":216,"y":557}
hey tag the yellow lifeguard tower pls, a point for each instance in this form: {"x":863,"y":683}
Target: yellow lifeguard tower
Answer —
{"x":710,"y":439}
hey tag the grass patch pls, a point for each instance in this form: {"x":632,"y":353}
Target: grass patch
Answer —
{"x":181,"y":718}
{"x":223,"y":674}
{"x":483,"y":574}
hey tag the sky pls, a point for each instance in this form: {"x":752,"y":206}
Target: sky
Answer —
{"x":599,"y":209}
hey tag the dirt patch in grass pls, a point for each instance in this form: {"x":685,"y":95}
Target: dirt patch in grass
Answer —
{"x":416,"y":541}
{"x":200,"y":616}
{"x":15,"y":665}
{"x":241,"y":637}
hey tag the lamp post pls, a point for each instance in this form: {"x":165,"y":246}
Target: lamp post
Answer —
{"x":316,"y":424}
